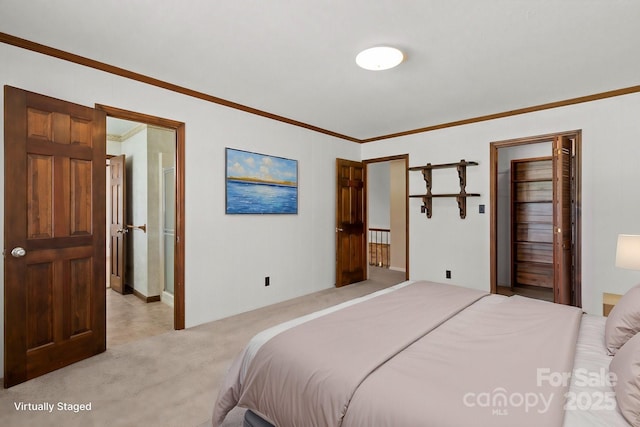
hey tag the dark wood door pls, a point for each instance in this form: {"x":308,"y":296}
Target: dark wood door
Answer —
{"x":54,"y":234}
{"x":562,"y":219}
{"x":118,"y":226}
{"x":351,"y":255}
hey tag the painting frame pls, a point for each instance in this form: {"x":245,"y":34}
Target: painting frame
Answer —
{"x":260,"y":184}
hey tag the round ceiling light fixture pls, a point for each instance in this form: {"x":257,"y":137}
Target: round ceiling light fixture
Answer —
{"x":379,"y":58}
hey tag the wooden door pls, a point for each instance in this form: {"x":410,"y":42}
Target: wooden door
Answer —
{"x":118,"y":227}
{"x":54,"y":234}
{"x":562,"y":219}
{"x":351,"y":256}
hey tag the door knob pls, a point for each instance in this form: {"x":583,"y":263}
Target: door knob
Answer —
{"x":18,"y":252}
{"x":339,"y":229}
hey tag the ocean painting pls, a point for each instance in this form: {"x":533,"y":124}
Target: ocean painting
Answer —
{"x":260,"y":184}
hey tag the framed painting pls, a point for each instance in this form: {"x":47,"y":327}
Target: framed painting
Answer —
{"x":260,"y":184}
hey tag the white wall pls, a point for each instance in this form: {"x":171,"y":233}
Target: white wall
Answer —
{"x":135,"y":148}
{"x":398,"y":215}
{"x":227,"y":256}
{"x":378,"y":195}
{"x":610,"y":202}
{"x":160,"y":141}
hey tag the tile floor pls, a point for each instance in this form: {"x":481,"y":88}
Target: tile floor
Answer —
{"x":130,"y":319}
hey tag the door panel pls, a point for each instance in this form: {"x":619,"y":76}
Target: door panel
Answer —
{"x":117,"y":228}
{"x":562,"y":212}
{"x":350,"y":233}
{"x":55,"y":211}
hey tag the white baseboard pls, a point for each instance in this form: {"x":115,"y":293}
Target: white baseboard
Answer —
{"x":398,"y":269}
{"x":167,"y":298}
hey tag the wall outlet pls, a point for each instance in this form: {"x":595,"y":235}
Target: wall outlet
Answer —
{"x":267,"y":281}
{"x":481,"y":208}
{"x":447,"y":274}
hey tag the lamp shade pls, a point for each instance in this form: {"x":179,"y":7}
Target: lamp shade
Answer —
{"x":628,"y":252}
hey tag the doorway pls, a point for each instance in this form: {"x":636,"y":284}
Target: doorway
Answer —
{"x":156,"y":230}
{"x":387,"y":219}
{"x":352,"y":218}
{"x":535,"y":217}
{"x":140,"y":230}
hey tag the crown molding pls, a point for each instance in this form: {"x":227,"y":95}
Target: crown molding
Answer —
{"x":131,"y":132}
{"x":91,"y":63}
{"x":81,"y":60}
{"x":547,"y":106}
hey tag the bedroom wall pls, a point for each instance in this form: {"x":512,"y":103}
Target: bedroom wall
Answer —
{"x":227,"y":256}
{"x":610,"y":202}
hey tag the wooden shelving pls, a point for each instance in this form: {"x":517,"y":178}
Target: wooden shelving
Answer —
{"x":461,"y":197}
{"x":532,"y":223}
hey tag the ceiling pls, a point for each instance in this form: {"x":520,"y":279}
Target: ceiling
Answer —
{"x":296,"y":59}
{"x":117,"y":128}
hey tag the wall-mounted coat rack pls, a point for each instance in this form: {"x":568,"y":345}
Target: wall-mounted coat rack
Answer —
{"x":461,"y":197}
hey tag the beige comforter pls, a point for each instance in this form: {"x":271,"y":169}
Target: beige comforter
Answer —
{"x":414,"y":356}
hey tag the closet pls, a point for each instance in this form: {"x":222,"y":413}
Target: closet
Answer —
{"x":532,"y":219}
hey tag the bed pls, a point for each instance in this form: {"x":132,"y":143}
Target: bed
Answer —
{"x":424,"y":353}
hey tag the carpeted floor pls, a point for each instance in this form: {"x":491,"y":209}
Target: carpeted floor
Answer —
{"x":166,"y":380}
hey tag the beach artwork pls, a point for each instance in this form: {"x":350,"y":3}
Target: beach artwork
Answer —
{"x":260,"y":184}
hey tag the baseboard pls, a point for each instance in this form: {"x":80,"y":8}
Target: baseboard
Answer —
{"x":167,"y":298}
{"x":398,"y":269}
{"x":154,"y":298}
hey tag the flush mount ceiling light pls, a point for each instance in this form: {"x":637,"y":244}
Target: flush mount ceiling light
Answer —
{"x":379,"y":58}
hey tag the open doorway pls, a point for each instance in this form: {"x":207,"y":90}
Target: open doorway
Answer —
{"x":140,"y":229}
{"x":387,"y":215}
{"x":154,"y":224}
{"x":535,"y":217}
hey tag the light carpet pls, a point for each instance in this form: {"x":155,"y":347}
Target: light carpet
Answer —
{"x":166,"y":380}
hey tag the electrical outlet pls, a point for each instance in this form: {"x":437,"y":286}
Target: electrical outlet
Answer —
{"x":447,"y":274}
{"x":481,"y":208}
{"x":267,"y":281}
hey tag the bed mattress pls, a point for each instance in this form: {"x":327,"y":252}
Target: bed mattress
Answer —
{"x":587,"y":404}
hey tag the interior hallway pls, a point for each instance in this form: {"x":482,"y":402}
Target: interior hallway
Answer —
{"x":130,"y":319}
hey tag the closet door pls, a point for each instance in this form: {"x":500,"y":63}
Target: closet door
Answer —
{"x":562,"y":215}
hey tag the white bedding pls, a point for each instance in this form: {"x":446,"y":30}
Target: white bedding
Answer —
{"x":591,"y":396}
{"x":591,"y":400}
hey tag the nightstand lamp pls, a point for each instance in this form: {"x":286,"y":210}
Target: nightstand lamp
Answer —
{"x":628,"y":252}
{"x":627,"y":256}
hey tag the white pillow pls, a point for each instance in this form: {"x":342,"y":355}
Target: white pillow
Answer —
{"x":623,"y":321}
{"x":626,"y":365}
